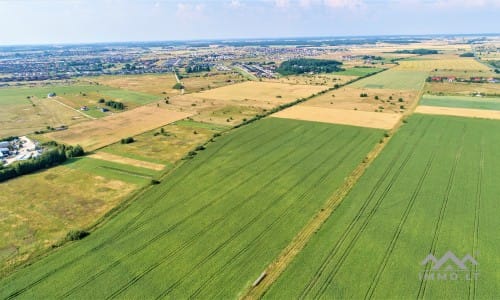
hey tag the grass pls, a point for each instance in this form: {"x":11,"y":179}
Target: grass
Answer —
{"x":461,"y":102}
{"x":98,"y":133}
{"x":462,"y":89}
{"x":156,"y":84}
{"x":37,"y":210}
{"x":359,"y":71}
{"x":206,"y":81}
{"x":469,"y":64}
{"x":315,"y":79}
{"x":167,"y":148}
{"x":210,"y":227}
{"x":254,"y":91}
{"x":394,"y":79}
{"x":431,"y":190}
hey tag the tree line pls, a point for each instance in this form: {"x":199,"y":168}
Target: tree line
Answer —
{"x":307,"y":65}
{"x":55,"y":156}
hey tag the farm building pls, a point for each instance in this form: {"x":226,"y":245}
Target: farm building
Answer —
{"x":51,"y":95}
{"x":4,"y":144}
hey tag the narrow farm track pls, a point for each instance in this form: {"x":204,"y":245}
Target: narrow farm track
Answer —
{"x":350,"y":227}
{"x":163,"y":234}
{"x":125,"y":228}
{"x":333,"y":273}
{"x":442,"y":212}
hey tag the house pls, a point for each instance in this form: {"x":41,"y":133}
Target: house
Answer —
{"x":104,"y":109}
{"x":51,"y":95}
{"x":4,"y":144}
{"x":84,"y":108}
{"x":451,"y":78}
{"x":436,"y":78}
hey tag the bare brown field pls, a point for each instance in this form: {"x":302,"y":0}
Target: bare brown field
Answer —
{"x":261,"y":92}
{"x":465,"y":89}
{"x":459,"y":112}
{"x":126,"y":160}
{"x":95,"y":134}
{"x":42,"y":207}
{"x":349,"y":98}
{"x":151,"y":84}
{"x":340,"y":116}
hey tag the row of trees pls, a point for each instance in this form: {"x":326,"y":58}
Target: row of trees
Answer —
{"x":197,"y":68}
{"x":307,"y":65}
{"x":115,"y":104}
{"x":48,"y":159}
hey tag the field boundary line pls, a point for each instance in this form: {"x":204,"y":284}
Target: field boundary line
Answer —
{"x":480,"y":174}
{"x":78,"y":111}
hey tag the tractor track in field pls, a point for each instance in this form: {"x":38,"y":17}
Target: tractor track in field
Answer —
{"x":269,"y":227}
{"x":331,"y":275}
{"x":171,"y":228}
{"x":480,"y":174}
{"x":406,"y":213}
{"x":349,"y":228}
{"x":123,"y":230}
{"x":442,"y":211}
{"x":254,"y":241}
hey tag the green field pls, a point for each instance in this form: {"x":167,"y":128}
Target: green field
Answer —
{"x":461,"y":102}
{"x":394,"y":79}
{"x":213,"y":225}
{"x":358,"y":71}
{"x":433,"y":189}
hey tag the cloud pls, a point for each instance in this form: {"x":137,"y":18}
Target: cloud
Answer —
{"x":282,"y":3}
{"x":465,"y":3}
{"x":235,"y":4}
{"x":189,"y":11}
{"x":351,"y":4}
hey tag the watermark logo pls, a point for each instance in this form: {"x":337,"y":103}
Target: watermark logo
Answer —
{"x":449,"y":267}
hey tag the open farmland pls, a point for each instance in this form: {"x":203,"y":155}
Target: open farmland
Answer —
{"x":314,"y":79}
{"x":159,"y":85}
{"x":395,"y":80}
{"x":459,"y":112}
{"x":20,"y":115}
{"x":207,"y":238}
{"x":38,"y":210}
{"x":461,"y":102}
{"x":168,"y":147}
{"x":261,"y":92}
{"x":432,"y":190}
{"x":440,"y":63}
{"x":339,"y":116}
{"x":462,"y":89}
{"x":384,"y":100}
{"x":206,"y":81}
{"x":96,"y":134}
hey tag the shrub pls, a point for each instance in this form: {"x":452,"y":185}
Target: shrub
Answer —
{"x":75,"y":235}
{"x":128,"y":140}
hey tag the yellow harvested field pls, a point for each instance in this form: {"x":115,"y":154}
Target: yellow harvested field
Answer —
{"x":318,"y":79}
{"x":151,"y":84}
{"x":349,"y":98}
{"x":448,"y":64}
{"x":459,"y":88}
{"x":128,"y":161}
{"x":268,"y":92}
{"x":340,"y":116}
{"x":459,"y":112}
{"x":96,"y":134}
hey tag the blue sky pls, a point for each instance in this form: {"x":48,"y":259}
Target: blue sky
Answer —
{"x":70,"y":21}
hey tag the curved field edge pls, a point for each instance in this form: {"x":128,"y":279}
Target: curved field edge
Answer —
{"x":431,"y":190}
{"x":213,"y":224}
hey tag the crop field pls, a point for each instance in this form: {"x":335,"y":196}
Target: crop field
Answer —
{"x":442,"y":63}
{"x":339,"y":116}
{"x":255,"y":92}
{"x":462,"y":89}
{"x":98,"y":133}
{"x":349,"y":98}
{"x":210,"y":228}
{"x":461,"y":102}
{"x":432,"y":190}
{"x":168,"y":147}
{"x":459,"y":112}
{"x":159,"y":85}
{"x":395,"y":80}
{"x":359,"y":71}
{"x":38,"y":210}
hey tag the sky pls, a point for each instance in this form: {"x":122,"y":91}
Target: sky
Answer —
{"x":84,"y":21}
